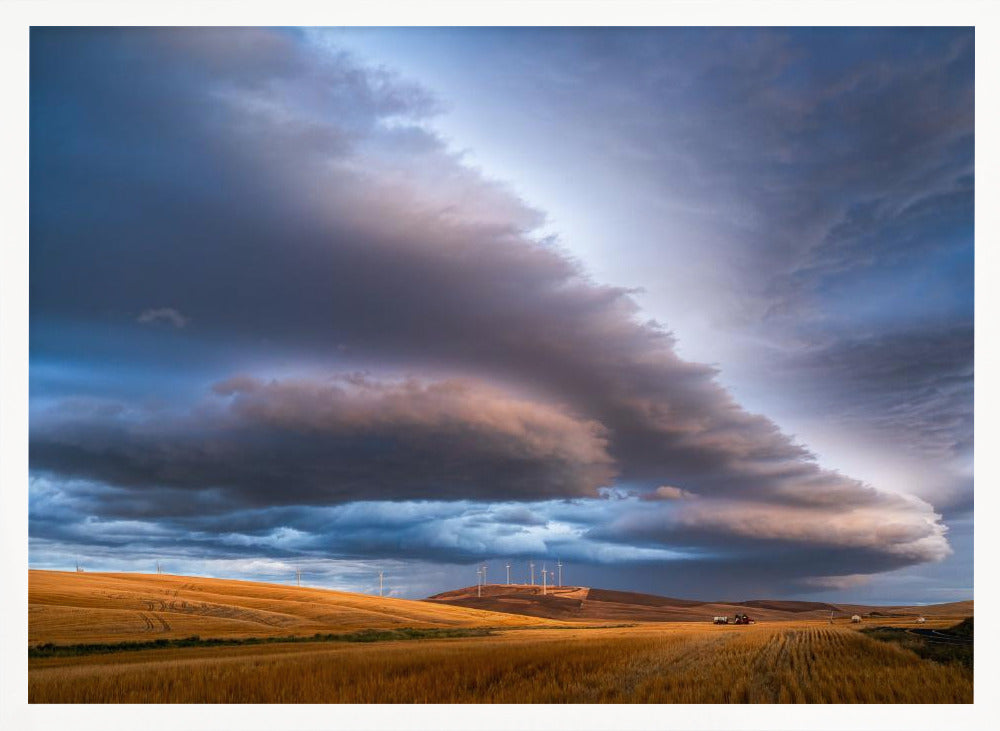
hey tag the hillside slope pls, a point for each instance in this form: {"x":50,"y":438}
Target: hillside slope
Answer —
{"x":70,"y":607}
{"x":585,"y":603}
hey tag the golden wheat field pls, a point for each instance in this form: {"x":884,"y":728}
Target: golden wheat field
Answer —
{"x":69,"y":607}
{"x":525,"y":660}
{"x":810,"y":663}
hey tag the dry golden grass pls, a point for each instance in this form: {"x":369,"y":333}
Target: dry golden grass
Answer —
{"x":70,"y":607}
{"x":673,"y":663}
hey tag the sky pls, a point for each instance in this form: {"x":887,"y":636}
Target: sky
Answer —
{"x":689,"y":310}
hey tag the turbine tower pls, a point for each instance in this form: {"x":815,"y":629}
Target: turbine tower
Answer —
{"x":380,"y":583}
{"x":479,"y":581}
{"x":508,"y":573}
{"x":298,"y":577}
{"x":484,"y":573}
{"x":544,"y":572}
{"x":559,"y":565}
{"x":532,"y":565}
{"x":158,"y":569}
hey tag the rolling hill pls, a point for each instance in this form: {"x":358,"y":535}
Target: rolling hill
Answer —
{"x":69,"y":607}
{"x":586,"y":603}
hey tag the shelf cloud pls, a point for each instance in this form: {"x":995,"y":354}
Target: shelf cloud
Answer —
{"x":389,"y":358}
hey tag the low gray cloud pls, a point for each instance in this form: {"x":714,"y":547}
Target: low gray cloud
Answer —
{"x":728,"y":551}
{"x":897,"y":529}
{"x":667,"y":492}
{"x":162,"y":314}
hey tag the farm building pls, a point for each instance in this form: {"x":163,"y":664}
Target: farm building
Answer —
{"x":856,"y":619}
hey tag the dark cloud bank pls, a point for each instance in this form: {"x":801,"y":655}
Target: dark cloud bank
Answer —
{"x":398,"y":367}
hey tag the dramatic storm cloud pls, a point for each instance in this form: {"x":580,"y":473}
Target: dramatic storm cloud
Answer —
{"x":277,"y":317}
{"x":334,"y":441}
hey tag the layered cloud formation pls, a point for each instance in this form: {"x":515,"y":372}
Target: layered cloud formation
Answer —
{"x":378,"y":356}
{"x":319,"y":443}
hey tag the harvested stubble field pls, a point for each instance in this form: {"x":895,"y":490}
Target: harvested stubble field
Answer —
{"x":69,"y":608}
{"x":676,"y":663}
{"x":450,"y":654}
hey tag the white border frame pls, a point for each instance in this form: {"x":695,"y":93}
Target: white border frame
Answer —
{"x":16,"y":16}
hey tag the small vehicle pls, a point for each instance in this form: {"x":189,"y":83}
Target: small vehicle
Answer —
{"x":736,"y":619}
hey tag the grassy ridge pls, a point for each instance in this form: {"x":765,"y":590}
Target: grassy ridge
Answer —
{"x":92,"y":608}
{"x":953,"y":645}
{"x":49,"y":649}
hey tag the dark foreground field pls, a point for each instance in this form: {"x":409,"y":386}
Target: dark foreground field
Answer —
{"x":677,"y":663}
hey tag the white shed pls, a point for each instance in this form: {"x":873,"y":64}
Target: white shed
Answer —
{"x":856,"y":619}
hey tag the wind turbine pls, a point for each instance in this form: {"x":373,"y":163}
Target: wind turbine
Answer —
{"x":484,"y":573}
{"x":380,"y":583}
{"x":508,"y":573}
{"x":298,"y":577}
{"x":544,"y":572}
{"x":532,"y":565}
{"x":479,"y":581}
